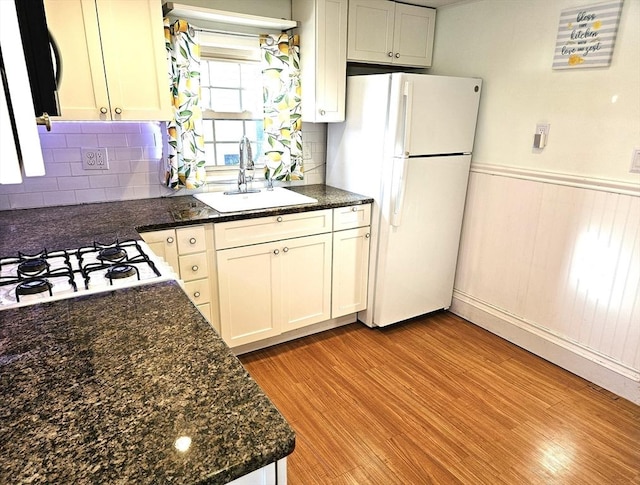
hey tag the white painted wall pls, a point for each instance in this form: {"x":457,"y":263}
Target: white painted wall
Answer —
{"x":510,"y":44}
{"x":550,"y":251}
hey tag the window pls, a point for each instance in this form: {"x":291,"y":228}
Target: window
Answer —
{"x":232,"y":108}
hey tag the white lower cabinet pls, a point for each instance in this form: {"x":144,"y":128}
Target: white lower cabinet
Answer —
{"x":269,"y":288}
{"x":273,"y":474}
{"x":350,"y":271}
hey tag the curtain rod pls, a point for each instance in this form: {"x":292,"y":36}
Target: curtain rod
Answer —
{"x":226,"y":32}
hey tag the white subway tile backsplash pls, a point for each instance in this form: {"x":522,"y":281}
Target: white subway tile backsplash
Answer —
{"x":61,"y":197}
{"x":73,"y":183}
{"x":134,"y":152}
{"x":91,"y":195}
{"x":102,"y":181}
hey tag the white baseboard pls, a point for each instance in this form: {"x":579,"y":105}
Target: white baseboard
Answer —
{"x":589,"y":365}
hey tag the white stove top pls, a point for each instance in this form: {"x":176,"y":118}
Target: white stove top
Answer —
{"x":30,"y":279}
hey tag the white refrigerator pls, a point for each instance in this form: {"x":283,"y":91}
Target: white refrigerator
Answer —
{"x":407,"y":143}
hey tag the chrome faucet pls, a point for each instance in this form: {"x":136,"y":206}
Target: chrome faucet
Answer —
{"x":245,"y":163}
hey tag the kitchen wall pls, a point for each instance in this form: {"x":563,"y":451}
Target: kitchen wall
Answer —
{"x":136,"y":165}
{"x":550,"y":253}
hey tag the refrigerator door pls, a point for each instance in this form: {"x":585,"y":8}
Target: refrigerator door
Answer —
{"x":416,"y":259}
{"x":433,"y":115}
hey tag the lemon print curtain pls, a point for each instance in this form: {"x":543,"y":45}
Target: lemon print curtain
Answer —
{"x":282,"y":113}
{"x":185,"y":163}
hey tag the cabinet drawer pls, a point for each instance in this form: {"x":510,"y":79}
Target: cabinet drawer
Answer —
{"x":264,"y":229}
{"x":191,"y":240}
{"x":198,"y":291}
{"x":193,"y":266}
{"x":351,"y":217}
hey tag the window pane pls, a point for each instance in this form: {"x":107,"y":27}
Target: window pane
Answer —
{"x":207,"y":128}
{"x":205,"y":98}
{"x":224,"y":74}
{"x":225,"y":100}
{"x":227,"y":130}
{"x":209,"y":154}
{"x":252,"y":100}
{"x":227,"y":153}
{"x":204,"y":73}
{"x":251,"y":76}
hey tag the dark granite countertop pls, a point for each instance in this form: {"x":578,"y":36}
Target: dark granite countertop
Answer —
{"x":69,"y":227}
{"x":96,"y":389}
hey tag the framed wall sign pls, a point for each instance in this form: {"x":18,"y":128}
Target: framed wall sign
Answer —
{"x":587,"y":35}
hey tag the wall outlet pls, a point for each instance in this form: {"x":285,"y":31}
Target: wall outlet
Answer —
{"x":306,"y":151}
{"x":95,"y":159}
{"x":635,"y":161}
{"x":541,"y":136}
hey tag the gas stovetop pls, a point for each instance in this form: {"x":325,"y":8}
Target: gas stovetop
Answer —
{"x":53,"y":275}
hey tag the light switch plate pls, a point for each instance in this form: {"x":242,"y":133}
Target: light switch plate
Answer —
{"x":635,"y":161}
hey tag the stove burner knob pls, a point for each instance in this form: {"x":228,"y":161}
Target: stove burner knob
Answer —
{"x":194,"y":268}
{"x":170,"y":240}
{"x":192,"y":240}
{"x":196,"y":294}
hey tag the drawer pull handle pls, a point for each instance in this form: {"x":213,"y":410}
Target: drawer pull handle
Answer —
{"x":276,"y":251}
{"x":196,"y":294}
{"x":367,"y":235}
{"x":285,"y":249}
{"x":192,"y":240}
{"x":279,"y":219}
{"x":194,"y":268}
{"x":170,"y":240}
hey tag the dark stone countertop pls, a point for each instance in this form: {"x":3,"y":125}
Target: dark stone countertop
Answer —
{"x":72,"y":226}
{"x":96,"y":389}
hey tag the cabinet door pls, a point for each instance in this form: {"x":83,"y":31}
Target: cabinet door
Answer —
{"x":249,"y":287}
{"x":306,"y":281}
{"x":163,"y":244}
{"x":83,"y":90}
{"x":350,"y":271}
{"x":413,"y":35}
{"x":135,"y":59}
{"x":370,"y":33}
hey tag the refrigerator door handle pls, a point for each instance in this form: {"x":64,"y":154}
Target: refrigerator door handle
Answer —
{"x":407,"y":98}
{"x":398,"y":187}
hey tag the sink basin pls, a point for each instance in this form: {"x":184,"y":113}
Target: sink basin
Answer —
{"x":278,"y":197}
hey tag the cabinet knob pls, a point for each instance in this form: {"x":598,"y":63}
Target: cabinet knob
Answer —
{"x":192,"y":240}
{"x":354,"y":209}
{"x":390,"y":54}
{"x":322,"y":112}
{"x":397,"y":55}
{"x":279,"y":219}
{"x":118,"y":111}
{"x":367,"y":235}
{"x":194,"y":268}
{"x":104,"y":110}
{"x":285,"y":249}
{"x":276,"y":251}
{"x":196,"y":294}
{"x":170,"y":240}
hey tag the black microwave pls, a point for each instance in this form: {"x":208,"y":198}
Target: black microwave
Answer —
{"x":44,"y":64}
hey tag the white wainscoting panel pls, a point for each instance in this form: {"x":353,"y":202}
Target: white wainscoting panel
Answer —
{"x":561,"y":262}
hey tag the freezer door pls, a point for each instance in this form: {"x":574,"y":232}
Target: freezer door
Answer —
{"x":434,"y":115}
{"x":416,"y":258}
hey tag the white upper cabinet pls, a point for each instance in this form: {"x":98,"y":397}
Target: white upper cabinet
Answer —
{"x":323,"y":58}
{"x":114,"y":64}
{"x":385,"y":32}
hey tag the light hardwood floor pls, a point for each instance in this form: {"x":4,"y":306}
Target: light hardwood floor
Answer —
{"x":439,"y":400}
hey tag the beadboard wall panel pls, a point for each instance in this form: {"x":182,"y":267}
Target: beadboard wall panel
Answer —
{"x":561,"y":263}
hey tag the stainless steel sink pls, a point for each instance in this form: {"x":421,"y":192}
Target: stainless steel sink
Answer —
{"x":278,"y":197}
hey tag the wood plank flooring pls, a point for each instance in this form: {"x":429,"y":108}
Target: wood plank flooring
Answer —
{"x":441,"y":401}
